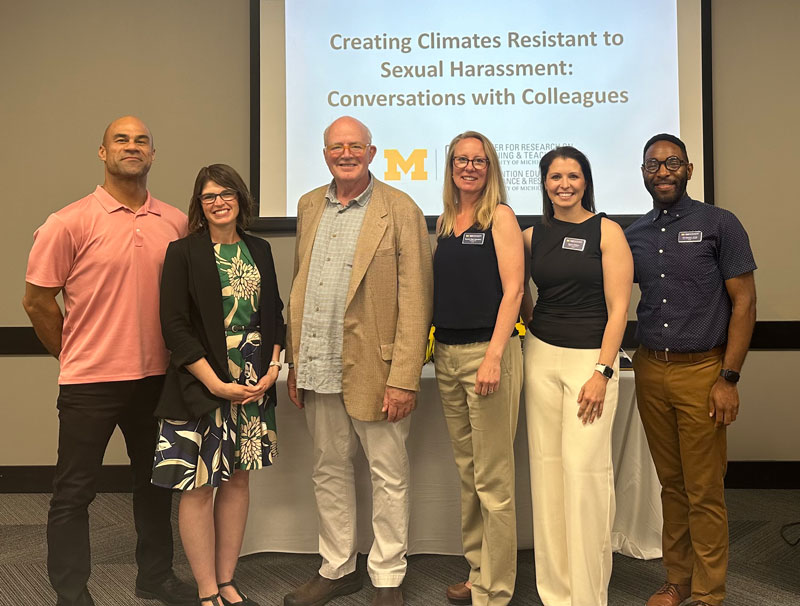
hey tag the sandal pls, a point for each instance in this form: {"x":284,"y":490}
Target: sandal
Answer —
{"x":245,"y":601}
{"x":214,"y":599}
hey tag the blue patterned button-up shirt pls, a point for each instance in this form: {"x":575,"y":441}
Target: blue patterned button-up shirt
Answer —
{"x":682,"y":257}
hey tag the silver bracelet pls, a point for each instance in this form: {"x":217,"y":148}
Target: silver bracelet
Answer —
{"x":276,"y":363}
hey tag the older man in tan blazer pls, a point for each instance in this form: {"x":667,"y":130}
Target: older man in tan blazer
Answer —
{"x":358,"y":315}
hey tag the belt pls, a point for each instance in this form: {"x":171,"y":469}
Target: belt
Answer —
{"x":243,"y":328}
{"x":682,"y":356}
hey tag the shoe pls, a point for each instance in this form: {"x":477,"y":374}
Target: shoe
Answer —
{"x":459,"y":594}
{"x":85,"y":599}
{"x":245,"y":601}
{"x":670,"y":594}
{"x":698,"y":603}
{"x":388,"y":596}
{"x":319,"y":590}
{"x":212,"y":599}
{"x":170,"y":590}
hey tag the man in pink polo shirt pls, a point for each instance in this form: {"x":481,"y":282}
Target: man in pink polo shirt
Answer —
{"x":104,"y":254}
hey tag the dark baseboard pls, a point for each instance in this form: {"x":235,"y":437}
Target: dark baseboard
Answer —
{"x":774,"y":335}
{"x":39,"y":478}
{"x":117,"y":478}
{"x":763,"y":474}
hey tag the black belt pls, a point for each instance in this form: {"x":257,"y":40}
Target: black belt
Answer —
{"x":243,"y":328}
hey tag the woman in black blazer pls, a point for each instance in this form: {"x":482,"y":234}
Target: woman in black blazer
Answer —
{"x":222,"y":322}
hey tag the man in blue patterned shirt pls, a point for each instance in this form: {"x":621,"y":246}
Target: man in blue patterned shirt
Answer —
{"x":696,"y":315}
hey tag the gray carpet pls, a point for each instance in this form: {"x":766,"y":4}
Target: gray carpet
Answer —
{"x":764,"y":569}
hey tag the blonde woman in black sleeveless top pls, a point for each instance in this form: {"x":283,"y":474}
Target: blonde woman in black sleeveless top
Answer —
{"x":478,"y":273}
{"x":583,"y":270}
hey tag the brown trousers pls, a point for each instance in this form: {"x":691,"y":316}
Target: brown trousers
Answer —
{"x":689,"y":453}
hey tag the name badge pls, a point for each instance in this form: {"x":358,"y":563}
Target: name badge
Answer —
{"x":690,"y":236}
{"x":474,"y":239}
{"x":574,"y":244}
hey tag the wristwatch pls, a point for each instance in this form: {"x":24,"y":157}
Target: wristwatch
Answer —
{"x":604,"y":370}
{"x":729,"y":375}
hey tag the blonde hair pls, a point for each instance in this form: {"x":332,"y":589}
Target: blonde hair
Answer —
{"x":494,"y":192}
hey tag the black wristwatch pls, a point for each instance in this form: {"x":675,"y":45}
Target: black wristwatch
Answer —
{"x":729,"y":375}
{"x":604,"y":370}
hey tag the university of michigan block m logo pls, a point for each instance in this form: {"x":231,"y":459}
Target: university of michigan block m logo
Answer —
{"x":415,"y":163}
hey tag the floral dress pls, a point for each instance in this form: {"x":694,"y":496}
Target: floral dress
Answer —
{"x":206,"y":451}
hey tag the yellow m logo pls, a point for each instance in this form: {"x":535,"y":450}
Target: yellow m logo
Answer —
{"x":395,"y":162}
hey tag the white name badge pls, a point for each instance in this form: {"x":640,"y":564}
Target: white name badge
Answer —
{"x":474,"y":239}
{"x":574,"y":244}
{"x":690,"y":236}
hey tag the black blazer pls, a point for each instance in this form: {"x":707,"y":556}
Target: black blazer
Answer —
{"x":193,"y":325}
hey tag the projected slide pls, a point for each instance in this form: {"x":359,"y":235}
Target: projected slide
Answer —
{"x":531,"y":75}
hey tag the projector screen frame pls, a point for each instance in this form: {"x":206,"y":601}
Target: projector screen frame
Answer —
{"x":284,"y":225}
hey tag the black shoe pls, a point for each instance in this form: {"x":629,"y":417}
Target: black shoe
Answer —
{"x":245,"y":601}
{"x":169,"y":590}
{"x":85,"y":599}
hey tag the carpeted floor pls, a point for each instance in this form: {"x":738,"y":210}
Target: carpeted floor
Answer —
{"x":764,"y":569}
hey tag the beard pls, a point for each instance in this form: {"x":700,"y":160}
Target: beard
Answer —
{"x":665,"y":199}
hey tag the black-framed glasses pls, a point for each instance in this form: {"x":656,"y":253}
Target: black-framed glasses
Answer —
{"x":337,"y":149}
{"x":673,"y":163}
{"x":477,"y":163}
{"x":226,"y":195}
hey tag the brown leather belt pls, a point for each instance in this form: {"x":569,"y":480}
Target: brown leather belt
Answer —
{"x":682,"y":356}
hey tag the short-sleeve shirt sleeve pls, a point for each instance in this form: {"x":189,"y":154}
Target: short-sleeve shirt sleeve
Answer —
{"x":52,"y":254}
{"x":735,"y":254}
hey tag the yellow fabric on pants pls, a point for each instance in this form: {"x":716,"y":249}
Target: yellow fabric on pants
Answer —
{"x":690,"y":457}
{"x":482,"y":430}
{"x":572,"y":475}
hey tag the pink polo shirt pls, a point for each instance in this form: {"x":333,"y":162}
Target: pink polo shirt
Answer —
{"x":107,"y":259}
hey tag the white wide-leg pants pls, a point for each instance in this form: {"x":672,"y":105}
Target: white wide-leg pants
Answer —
{"x":572,"y":475}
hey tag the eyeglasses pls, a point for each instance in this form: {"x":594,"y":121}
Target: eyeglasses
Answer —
{"x":673,"y":163}
{"x":477,"y":163}
{"x":337,"y":149}
{"x":226,"y":195}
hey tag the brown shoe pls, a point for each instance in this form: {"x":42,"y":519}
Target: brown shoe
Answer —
{"x":459,"y":594}
{"x":319,"y":590}
{"x":670,"y":594}
{"x":388,"y":596}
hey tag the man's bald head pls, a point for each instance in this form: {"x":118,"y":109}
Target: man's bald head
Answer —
{"x":127,"y":149}
{"x":350,"y":122}
{"x":121,"y":124}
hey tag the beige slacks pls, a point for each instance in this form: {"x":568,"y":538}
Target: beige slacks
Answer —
{"x":572,"y":476}
{"x":482,"y":430}
{"x":335,"y":435}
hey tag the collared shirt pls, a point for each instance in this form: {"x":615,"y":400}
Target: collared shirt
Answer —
{"x":682,"y":257}
{"x":107,"y":259}
{"x":319,"y":366}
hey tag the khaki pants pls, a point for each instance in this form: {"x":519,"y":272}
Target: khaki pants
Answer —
{"x":572,"y":475}
{"x":690,"y":457}
{"x":482,"y":430}
{"x":335,"y":435}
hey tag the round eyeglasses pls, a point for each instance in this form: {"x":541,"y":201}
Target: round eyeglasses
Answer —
{"x":673,"y":163}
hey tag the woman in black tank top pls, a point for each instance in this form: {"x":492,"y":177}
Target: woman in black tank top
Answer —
{"x":583,"y":270}
{"x":478,"y":271}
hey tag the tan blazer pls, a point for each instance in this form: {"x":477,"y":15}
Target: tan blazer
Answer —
{"x":389,"y":301}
